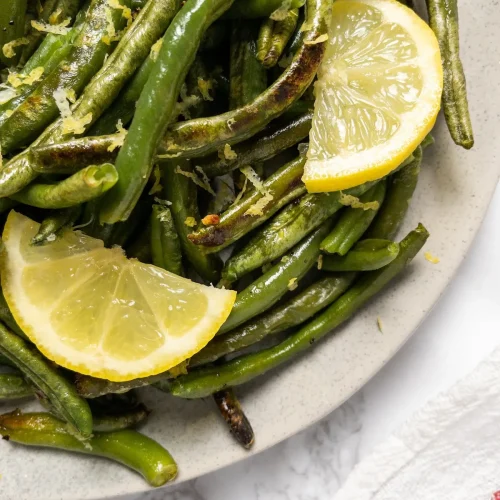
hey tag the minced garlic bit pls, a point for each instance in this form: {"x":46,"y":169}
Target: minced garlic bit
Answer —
{"x":190,"y":221}
{"x":156,"y":188}
{"x":155,"y":49}
{"x":8,"y":48}
{"x":195,"y":179}
{"x":379,"y":324}
{"x":292,"y":284}
{"x":70,"y":125}
{"x":56,"y":29}
{"x":18,"y":79}
{"x":352,"y":201}
{"x":119,"y":137}
{"x":205,"y":86}
{"x":282,"y":11}
{"x":227,"y":153}
{"x":210,"y":220}
{"x":320,"y":262}
{"x":321,"y":38}
{"x":429,"y":257}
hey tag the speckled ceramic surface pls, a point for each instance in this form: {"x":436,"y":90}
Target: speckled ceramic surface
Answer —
{"x":454,"y":191}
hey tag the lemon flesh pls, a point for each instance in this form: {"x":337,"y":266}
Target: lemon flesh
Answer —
{"x":377,"y":96}
{"x":92,"y":310}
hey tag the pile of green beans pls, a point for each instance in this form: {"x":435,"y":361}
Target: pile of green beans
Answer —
{"x":217,"y":97}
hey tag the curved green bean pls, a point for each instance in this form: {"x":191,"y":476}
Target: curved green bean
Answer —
{"x":443,"y":19}
{"x":286,"y":229}
{"x":205,"y":135}
{"x":52,"y":225}
{"x":128,"y":447}
{"x":165,"y":244}
{"x":202,"y":382}
{"x":85,"y":185}
{"x":156,"y":106}
{"x":234,"y":416}
{"x":60,"y":393}
{"x":266,"y":290}
{"x":250,"y":9}
{"x":400,"y":189}
{"x":353,"y":222}
{"x":118,"y":421}
{"x":295,"y":311}
{"x":239,"y":219}
{"x":273,"y":141}
{"x":264,"y":39}
{"x":282,"y":32}
{"x":366,"y":255}
{"x":14,"y":386}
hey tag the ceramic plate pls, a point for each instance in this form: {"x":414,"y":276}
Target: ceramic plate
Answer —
{"x":453,"y":194}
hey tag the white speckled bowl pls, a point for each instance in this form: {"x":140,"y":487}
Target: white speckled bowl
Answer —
{"x":454,"y":191}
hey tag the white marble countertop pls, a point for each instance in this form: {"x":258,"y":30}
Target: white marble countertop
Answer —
{"x":313,"y":464}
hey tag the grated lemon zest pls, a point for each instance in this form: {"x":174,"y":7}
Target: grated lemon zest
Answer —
{"x":55,"y":29}
{"x":199,"y":182}
{"x":8,"y":48}
{"x":292,"y":284}
{"x":190,"y":221}
{"x":70,"y":125}
{"x":352,"y":201}
{"x":155,"y":49}
{"x":431,"y":258}
{"x":17,"y":79}
{"x":119,"y":137}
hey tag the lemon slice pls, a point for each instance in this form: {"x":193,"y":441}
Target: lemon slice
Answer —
{"x":377,"y":96}
{"x":92,"y":310}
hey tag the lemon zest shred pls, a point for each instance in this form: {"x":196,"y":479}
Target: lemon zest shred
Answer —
{"x":320,"y":262}
{"x":119,"y":137}
{"x":70,"y":125}
{"x":155,"y":49}
{"x":257,"y":208}
{"x":157,"y":187}
{"x":55,"y":29}
{"x":199,"y":182}
{"x":54,"y":16}
{"x":17,"y":79}
{"x":292,"y":284}
{"x":379,"y":324}
{"x":190,"y":221}
{"x":8,"y":48}
{"x":431,"y":258}
{"x":349,"y":200}
{"x":205,"y":86}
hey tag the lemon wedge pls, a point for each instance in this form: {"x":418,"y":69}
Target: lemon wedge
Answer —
{"x":92,"y":310}
{"x":377,"y":96}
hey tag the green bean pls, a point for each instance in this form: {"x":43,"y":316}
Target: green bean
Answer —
{"x":273,"y":141}
{"x":71,"y":156}
{"x":7,"y":318}
{"x":42,"y":373}
{"x":12,"y":15}
{"x":443,"y":19}
{"x":138,"y":4}
{"x":282,"y":32}
{"x":202,"y":381}
{"x":6,"y":362}
{"x":283,"y":186}
{"x":234,"y":416}
{"x":286,"y":229}
{"x":400,"y":189}
{"x":295,"y":311}
{"x":266,"y":290}
{"x":353,"y":222}
{"x":248,"y":79}
{"x":83,"y":186}
{"x":249,"y":9}
{"x":55,"y":223}
{"x":14,"y":386}
{"x":265,"y":38}
{"x":204,"y":135}
{"x":165,"y":244}
{"x":181,"y":192}
{"x":156,"y":106}
{"x":73,"y":73}
{"x":128,"y":447}
{"x":366,"y":255}
{"x":118,"y":421}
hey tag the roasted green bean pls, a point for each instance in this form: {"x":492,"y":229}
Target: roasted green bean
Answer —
{"x":60,"y":393}
{"x":355,"y":221}
{"x":165,"y":244}
{"x":234,"y":416}
{"x":286,"y":229}
{"x":128,"y":447}
{"x":202,"y":382}
{"x":295,"y":311}
{"x":366,"y":255}
{"x":249,"y":9}
{"x":272,"y":285}
{"x":81,"y":187}
{"x":443,"y":18}
{"x":52,"y":225}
